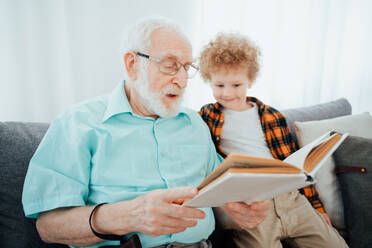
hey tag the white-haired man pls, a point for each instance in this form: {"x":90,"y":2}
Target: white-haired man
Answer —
{"x":136,"y":150}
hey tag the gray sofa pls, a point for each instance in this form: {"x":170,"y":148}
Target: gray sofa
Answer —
{"x":19,"y":140}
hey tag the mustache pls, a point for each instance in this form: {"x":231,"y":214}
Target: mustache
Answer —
{"x":172,"y":89}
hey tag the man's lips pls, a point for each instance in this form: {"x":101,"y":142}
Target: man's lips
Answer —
{"x":172,"y":96}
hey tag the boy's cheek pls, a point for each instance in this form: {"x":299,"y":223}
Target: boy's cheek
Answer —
{"x":216,"y":92}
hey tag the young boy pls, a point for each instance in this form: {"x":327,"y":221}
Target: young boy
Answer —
{"x":245,"y":125}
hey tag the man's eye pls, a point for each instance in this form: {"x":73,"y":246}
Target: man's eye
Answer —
{"x":219,"y":85}
{"x":236,"y":85}
{"x":169,"y":64}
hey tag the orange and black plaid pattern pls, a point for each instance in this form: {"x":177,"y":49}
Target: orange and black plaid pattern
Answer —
{"x":276,"y":132}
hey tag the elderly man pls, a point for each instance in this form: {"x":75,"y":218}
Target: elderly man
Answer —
{"x":135,"y":150}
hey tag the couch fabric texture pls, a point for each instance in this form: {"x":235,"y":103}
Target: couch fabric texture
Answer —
{"x":356,"y":189}
{"x":326,"y":180}
{"x":18,"y":142}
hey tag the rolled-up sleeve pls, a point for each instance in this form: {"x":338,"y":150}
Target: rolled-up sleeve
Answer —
{"x":59,"y":172}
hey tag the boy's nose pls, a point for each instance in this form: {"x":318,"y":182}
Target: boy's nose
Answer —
{"x":227,"y":91}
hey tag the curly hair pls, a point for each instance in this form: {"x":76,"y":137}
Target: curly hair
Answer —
{"x":230,"y":50}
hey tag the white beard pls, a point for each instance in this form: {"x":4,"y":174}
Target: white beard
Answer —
{"x":152,"y":101}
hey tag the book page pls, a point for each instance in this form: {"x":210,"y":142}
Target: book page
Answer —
{"x":261,"y":170}
{"x":321,"y":157}
{"x":246,"y":187}
{"x":242,"y":161}
{"x":319,"y":152}
{"x":298,"y":158}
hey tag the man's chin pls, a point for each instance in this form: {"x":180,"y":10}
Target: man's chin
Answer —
{"x":171,"y":105}
{"x":171,"y":110}
{"x":170,"y":113}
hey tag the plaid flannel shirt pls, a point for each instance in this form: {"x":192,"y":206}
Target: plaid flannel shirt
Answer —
{"x":276,"y":132}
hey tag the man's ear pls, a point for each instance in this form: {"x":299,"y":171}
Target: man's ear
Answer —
{"x":131,"y":65}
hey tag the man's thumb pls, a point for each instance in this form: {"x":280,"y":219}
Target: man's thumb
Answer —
{"x":179,"y":195}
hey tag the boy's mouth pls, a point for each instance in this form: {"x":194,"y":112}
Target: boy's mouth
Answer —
{"x":228,"y":100}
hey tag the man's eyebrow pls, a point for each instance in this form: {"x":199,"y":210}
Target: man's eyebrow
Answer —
{"x":176,"y":56}
{"x":170,"y":54}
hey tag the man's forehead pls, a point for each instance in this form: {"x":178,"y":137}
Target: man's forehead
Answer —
{"x":168,"y":43}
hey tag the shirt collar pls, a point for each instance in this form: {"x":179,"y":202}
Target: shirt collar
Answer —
{"x":219,"y":107}
{"x":183,"y":111}
{"x":118,"y":103}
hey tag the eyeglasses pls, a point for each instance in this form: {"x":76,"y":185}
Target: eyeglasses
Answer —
{"x":171,"y":66}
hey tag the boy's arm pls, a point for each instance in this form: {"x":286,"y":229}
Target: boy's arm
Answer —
{"x":203,"y":112}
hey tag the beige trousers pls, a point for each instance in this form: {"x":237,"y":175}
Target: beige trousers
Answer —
{"x":291,"y":216}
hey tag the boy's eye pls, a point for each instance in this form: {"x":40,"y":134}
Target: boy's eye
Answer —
{"x":236,"y":85}
{"x":219,"y":85}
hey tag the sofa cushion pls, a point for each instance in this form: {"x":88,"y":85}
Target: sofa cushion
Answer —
{"x":307,"y":131}
{"x":327,"y":184}
{"x":339,"y":107}
{"x":18,"y":142}
{"x":356,"y":189}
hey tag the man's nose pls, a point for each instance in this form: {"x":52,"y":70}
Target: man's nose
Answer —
{"x":181,"y":78}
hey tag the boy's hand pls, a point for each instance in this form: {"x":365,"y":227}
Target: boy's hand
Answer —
{"x":327,"y":219}
{"x":247,"y":216}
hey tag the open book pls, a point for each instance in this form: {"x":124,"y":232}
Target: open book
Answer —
{"x":249,"y":179}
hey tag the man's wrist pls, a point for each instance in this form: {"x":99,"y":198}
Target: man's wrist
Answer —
{"x":117,"y":218}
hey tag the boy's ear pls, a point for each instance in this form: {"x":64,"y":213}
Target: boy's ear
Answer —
{"x":131,"y":65}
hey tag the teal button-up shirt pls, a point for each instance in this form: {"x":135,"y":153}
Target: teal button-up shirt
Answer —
{"x":100,"y":151}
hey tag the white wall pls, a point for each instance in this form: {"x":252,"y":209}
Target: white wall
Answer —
{"x":54,"y":53}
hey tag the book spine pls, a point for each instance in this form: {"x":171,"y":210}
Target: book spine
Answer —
{"x":309,"y":178}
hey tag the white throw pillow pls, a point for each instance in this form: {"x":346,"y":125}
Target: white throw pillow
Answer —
{"x":326,"y":180}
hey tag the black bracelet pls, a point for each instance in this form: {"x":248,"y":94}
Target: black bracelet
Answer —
{"x":99,"y":235}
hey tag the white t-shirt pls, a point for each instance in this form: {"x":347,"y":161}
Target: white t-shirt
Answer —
{"x":242,"y":133}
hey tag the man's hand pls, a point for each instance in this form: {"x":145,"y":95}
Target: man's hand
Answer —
{"x":247,"y":216}
{"x":159,"y":212}
{"x":156,"y":213}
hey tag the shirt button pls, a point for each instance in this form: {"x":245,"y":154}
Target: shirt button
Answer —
{"x":218,"y":138}
{"x":221,"y":121}
{"x":162,"y":154}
